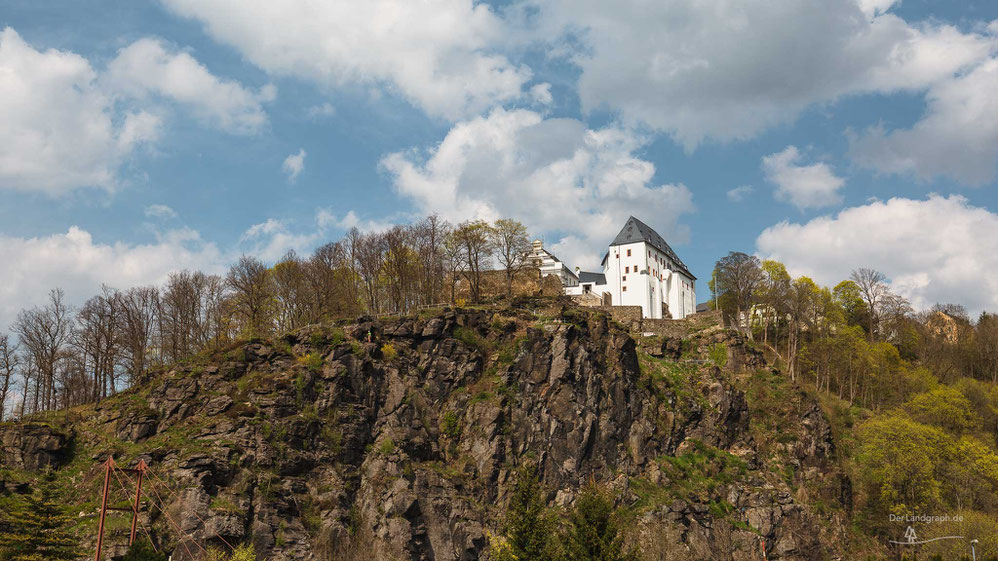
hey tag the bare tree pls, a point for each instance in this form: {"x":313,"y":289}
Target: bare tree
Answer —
{"x":95,"y":337}
{"x":873,"y":288}
{"x":987,"y":344}
{"x":44,"y":334}
{"x":453,"y":263}
{"x":509,"y":238}
{"x":401,"y":268}
{"x":252,"y":295}
{"x":137,"y":320}
{"x":332,"y":282}
{"x":9,"y":362}
{"x":473,"y":238}
{"x":430,"y":234}
{"x":191,"y":315}
{"x":369,"y":252}
{"x":292,"y":293}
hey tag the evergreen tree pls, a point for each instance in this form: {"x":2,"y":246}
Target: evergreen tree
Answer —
{"x":36,"y":528}
{"x":594,"y":532}
{"x":528,"y":524}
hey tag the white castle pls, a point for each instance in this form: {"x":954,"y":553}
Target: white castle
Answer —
{"x":639,"y":269}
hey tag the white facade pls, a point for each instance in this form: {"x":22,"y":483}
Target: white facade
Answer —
{"x":638,"y":274}
{"x":640,"y":269}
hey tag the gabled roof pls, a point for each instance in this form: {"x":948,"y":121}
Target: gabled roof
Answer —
{"x":637,"y":231}
{"x":596,"y":278}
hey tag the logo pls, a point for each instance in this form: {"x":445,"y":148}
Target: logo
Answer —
{"x":911,"y":538}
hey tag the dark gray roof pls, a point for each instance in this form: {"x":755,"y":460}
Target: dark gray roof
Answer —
{"x":637,"y":231}
{"x":597,"y":278}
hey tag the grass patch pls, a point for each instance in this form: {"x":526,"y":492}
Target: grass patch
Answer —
{"x":387,"y":446}
{"x":471,"y":338}
{"x":718,"y":354}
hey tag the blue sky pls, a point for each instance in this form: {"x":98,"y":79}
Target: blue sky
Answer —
{"x":140,"y":138}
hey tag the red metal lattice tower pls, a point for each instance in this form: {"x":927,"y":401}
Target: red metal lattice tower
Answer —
{"x":109,"y":469}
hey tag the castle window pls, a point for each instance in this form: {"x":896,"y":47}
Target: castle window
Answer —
{"x":623,"y":278}
{"x":628,"y":253}
{"x":624,"y":289}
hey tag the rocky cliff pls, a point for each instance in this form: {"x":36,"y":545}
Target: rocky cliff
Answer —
{"x":398,"y":438}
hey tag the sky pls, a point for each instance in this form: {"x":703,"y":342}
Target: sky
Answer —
{"x":139,"y":138}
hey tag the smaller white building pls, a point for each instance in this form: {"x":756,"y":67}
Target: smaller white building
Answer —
{"x":551,"y":265}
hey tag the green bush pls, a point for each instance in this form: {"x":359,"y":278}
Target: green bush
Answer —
{"x":312,"y":361}
{"x":388,"y":352}
{"x":450,"y":424}
{"x":471,"y":338}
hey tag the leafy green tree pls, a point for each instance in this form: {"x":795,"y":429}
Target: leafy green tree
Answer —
{"x":943,"y":407}
{"x":850,"y":300}
{"x":737,"y":278}
{"x":528,"y":525}
{"x":902,"y":466}
{"x":772,"y":294}
{"x":594,"y":532}
{"x":36,"y":528}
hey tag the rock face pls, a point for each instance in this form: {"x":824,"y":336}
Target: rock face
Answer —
{"x":33,"y":446}
{"x":398,"y":440}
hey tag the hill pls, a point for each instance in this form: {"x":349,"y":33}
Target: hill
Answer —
{"x":398,"y":438}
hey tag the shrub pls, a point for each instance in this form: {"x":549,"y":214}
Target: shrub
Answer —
{"x":450,"y":424}
{"x":388,"y":352}
{"x":242,"y":552}
{"x":471,"y":338}
{"x":312,"y":361}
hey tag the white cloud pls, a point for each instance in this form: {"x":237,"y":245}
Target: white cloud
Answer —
{"x":160,"y":211}
{"x":148,"y":68}
{"x":66,"y":125}
{"x":876,"y":7}
{"x":442,"y":56}
{"x":738,"y":194}
{"x":555,"y":175}
{"x":541,"y":93}
{"x":957,"y":137}
{"x":941,"y":249}
{"x":58,"y":132}
{"x":326,"y":219}
{"x":78,"y":264}
{"x":729,"y":69}
{"x":271,"y":239}
{"x":322,"y":110}
{"x":294,"y":164}
{"x":804,"y":186}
